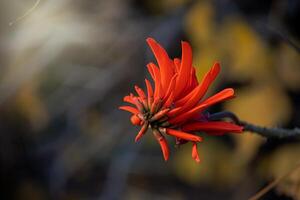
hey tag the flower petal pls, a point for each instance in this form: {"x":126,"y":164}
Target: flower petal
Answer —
{"x":169,"y":101}
{"x":142,"y":96}
{"x":163,"y":61}
{"x":150,"y":70}
{"x":140,"y":92}
{"x":149,"y":92}
{"x":142,"y":132}
{"x":183,"y":135}
{"x":177,"y":63}
{"x":163,"y":143}
{"x":171,"y":87}
{"x":214,"y":126}
{"x":202,"y":88}
{"x":135,"y":120}
{"x":157,"y":81}
{"x":185,"y":69}
{"x":160,"y":114}
{"x":128,"y":99}
{"x":129,"y":109}
{"x":138,"y":104}
{"x":221,"y":96}
{"x":195,"y":154}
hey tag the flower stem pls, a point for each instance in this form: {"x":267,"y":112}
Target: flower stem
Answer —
{"x":263,"y":131}
{"x":271,"y":132}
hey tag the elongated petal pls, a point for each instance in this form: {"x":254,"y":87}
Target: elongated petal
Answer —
{"x":129,"y":109}
{"x":141,"y":132}
{"x":149,"y":92}
{"x":154,"y":105}
{"x":213,"y":126}
{"x":163,"y":61}
{"x":170,"y":100}
{"x":174,"y":112}
{"x":138,"y":104}
{"x":195,"y":154}
{"x":157,"y":81}
{"x":140,"y":92}
{"x":183,"y":135}
{"x":171,"y":87}
{"x":221,"y":96}
{"x":160,"y":114}
{"x":225,"y":94}
{"x":150,"y":70}
{"x":194,"y":78}
{"x":185,"y":68}
{"x":142,"y":96}
{"x":177,"y":63}
{"x":163,"y":143}
{"x":135,"y":120}
{"x":201,"y":89}
{"x":192,"y":99}
{"x":128,"y":99}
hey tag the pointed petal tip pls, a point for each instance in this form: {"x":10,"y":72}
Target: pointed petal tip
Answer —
{"x":166,"y":156}
{"x":186,"y":44}
{"x":217,"y":66}
{"x":150,"y":41}
{"x":217,"y":63}
{"x":231,"y":91}
{"x":195,"y":154}
{"x":136,"y":139}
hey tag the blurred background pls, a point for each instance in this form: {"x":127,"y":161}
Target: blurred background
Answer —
{"x":65,"y":67}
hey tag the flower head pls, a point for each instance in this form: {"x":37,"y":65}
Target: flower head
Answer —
{"x":175,"y":105}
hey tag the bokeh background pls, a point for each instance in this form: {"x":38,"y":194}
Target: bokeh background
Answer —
{"x":66,"y":66}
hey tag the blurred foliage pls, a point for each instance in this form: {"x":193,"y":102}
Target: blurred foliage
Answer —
{"x":282,"y":162}
{"x":216,"y":165}
{"x":66,"y":66}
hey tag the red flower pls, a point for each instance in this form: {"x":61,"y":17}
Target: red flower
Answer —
{"x":174,"y":107}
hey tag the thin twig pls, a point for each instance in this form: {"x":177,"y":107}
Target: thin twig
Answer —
{"x":263,"y":131}
{"x":274,"y":183}
{"x":271,"y":132}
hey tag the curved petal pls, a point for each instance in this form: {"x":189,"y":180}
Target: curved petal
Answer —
{"x":221,"y":96}
{"x":163,"y":143}
{"x":185,"y":69}
{"x":195,"y":154}
{"x":149,"y":92}
{"x":213,"y":126}
{"x":129,"y":109}
{"x":183,"y":135}
{"x":142,"y":132}
{"x":163,"y":61}
{"x":202,"y":88}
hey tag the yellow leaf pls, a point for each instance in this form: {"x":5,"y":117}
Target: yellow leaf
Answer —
{"x":200,"y":25}
{"x":244,"y":51}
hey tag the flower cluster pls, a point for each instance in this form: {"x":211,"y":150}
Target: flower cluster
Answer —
{"x":175,"y":105}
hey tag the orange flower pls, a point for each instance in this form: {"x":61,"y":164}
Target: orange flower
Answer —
{"x":174,"y":107}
